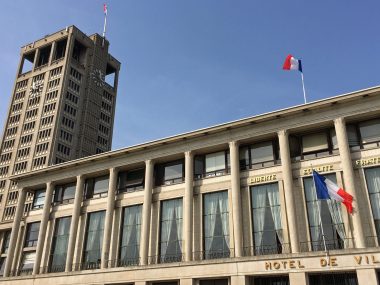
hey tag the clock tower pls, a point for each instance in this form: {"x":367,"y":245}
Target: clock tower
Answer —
{"x":62,"y":107}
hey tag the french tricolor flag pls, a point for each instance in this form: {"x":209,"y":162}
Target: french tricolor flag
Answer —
{"x":291,"y":63}
{"x":105,"y":8}
{"x":326,"y":189}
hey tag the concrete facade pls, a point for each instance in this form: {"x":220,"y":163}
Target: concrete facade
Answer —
{"x":62,"y":107}
{"x":297,"y":257}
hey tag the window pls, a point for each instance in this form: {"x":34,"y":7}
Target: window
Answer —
{"x":171,"y":231}
{"x":330,"y":213}
{"x":2,"y":265}
{"x":59,"y":245}
{"x":39,"y":199}
{"x":370,"y":133}
{"x":215,"y":163}
{"x":259,"y":155}
{"x":94,"y":240}
{"x":269,"y":280}
{"x":130,"y":237}
{"x":6,"y":240}
{"x":27,"y":264}
{"x":348,"y":278}
{"x":170,"y":173}
{"x":319,"y":144}
{"x":266,"y":217}
{"x":131,"y":180}
{"x":372,"y":176}
{"x":97,"y":187}
{"x":60,"y":49}
{"x":211,"y":165}
{"x":31,"y":235}
{"x":64,"y":193}
{"x":215,"y":225}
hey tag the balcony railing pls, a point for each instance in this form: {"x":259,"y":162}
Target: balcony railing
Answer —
{"x":212,"y":174}
{"x":168,"y":258}
{"x":214,"y":254}
{"x":87,"y":265}
{"x":267,"y":249}
{"x":124,"y":262}
{"x":319,"y":245}
{"x":373,"y":241}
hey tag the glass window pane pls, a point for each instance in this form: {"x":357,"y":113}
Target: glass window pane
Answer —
{"x":6,"y":240}
{"x":262,"y":152}
{"x":173,"y":171}
{"x":352,"y":135}
{"x":101,"y":184}
{"x":216,"y":225}
{"x":130,"y":240}
{"x":373,"y":184}
{"x":28,"y":262}
{"x":215,"y":161}
{"x":135,"y":177}
{"x":314,"y":142}
{"x":171,"y":230}
{"x":94,"y":240}
{"x":32,"y":234}
{"x":327,"y":210}
{"x":39,"y":198}
{"x":59,"y":244}
{"x":69,"y":191}
{"x":370,"y":131}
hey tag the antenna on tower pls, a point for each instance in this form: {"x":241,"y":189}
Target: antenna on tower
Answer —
{"x":105,"y":22}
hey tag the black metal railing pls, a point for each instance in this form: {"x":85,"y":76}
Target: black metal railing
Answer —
{"x":245,"y":165}
{"x":86,"y":265}
{"x":213,"y":254}
{"x":173,"y":181}
{"x":21,"y":272}
{"x":124,"y":262}
{"x":168,"y":258}
{"x":63,"y":202}
{"x":212,"y":174}
{"x":372,"y":241}
{"x":54,"y":268}
{"x":267,"y":249}
{"x":130,"y":189}
{"x":320,"y":245}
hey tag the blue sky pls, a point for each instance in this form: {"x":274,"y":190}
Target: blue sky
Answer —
{"x":192,"y":64}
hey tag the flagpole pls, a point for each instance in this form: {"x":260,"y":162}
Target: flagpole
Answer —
{"x":320,"y":217}
{"x":105,"y":23}
{"x":303,"y":87}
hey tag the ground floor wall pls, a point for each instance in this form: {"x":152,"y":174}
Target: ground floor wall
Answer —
{"x":298,"y":268}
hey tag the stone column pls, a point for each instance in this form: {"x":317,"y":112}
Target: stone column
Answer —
{"x":15,"y":230}
{"x":74,"y":222}
{"x":52,"y":52}
{"x":188,"y":206}
{"x":43,"y":226}
{"x":145,"y":227}
{"x":239,"y":280}
{"x":236,"y":199}
{"x":286,"y":166}
{"x":367,"y":276}
{"x":348,"y":178}
{"x":298,"y":278}
{"x":109,"y":216}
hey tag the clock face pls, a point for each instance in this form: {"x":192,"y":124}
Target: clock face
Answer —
{"x":98,"y":77}
{"x":36,"y":87}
